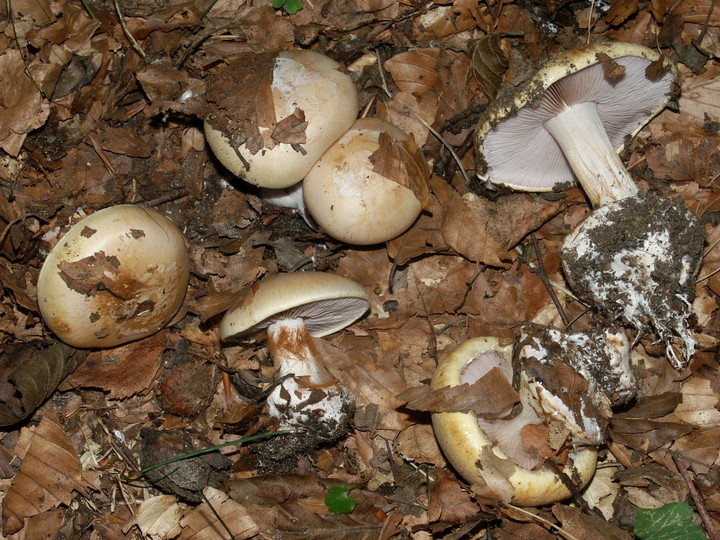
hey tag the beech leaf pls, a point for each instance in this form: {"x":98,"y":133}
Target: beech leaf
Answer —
{"x":29,"y":374}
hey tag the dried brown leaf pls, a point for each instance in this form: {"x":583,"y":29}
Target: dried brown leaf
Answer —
{"x":449,"y":501}
{"x":403,"y":162}
{"x":122,"y":371}
{"x":49,"y":474}
{"x":22,"y":107}
{"x":203,"y":523}
{"x":490,"y":396}
{"x":157,"y":516}
{"x":29,"y":374}
{"x":582,"y":526}
{"x":489,"y":63}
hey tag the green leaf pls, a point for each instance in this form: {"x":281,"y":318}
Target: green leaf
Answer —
{"x":290,"y":6}
{"x":670,"y":522}
{"x":338,"y":500}
{"x":293,"y":6}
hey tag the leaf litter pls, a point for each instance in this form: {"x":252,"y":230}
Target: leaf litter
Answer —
{"x":87,"y":122}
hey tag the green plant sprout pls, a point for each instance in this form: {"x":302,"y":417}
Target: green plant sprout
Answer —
{"x":338,"y":500}
{"x":289,"y":6}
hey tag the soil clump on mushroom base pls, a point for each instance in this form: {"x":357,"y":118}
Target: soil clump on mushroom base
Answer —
{"x":636,"y":260}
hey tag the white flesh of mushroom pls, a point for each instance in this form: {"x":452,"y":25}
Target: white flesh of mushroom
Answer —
{"x":596,"y":164}
{"x":307,"y":388}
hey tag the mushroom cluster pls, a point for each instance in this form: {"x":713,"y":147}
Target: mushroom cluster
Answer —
{"x":365,"y":182}
{"x":568,"y":122}
{"x":116,"y":276}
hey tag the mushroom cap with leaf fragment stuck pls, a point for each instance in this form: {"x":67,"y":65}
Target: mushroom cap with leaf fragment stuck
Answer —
{"x":629,"y":83}
{"x":497,"y":475}
{"x":116,"y":276}
{"x":326,"y":303}
{"x":277,"y":113}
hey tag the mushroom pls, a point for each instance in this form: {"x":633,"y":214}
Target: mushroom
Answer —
{"x":369,"y":186}
{"x":292,"y":309}
{"x":568,"y":122}
{"x":492,"y":454}
{"x":116,"y":276}
{"x":276,"y":113}
{"x":574,"y":378}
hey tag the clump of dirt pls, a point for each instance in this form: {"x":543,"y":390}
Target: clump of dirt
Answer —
{"x":636,"y":260}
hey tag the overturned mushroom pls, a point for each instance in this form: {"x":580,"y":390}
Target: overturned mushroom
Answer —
{"x":496,"y":455}
{"x":291,"y":309}
{"x":276,"y":113}
{"x":117,"y":275}
{"x":636,"y":256}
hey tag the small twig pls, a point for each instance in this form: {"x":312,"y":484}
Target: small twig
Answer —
{"x":168,"y":197}
{"x":540,"y":272}
{"x":127,"y":33}
{"x":550,"y":524}
{"x":26,"y":66}
{"x":6,"y":231}
{"x":696,"y":497}
{"x":446,"y":145}
{"x":468,"y":286}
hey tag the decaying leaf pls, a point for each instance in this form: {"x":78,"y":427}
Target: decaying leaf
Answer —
{"x":204,"y":522}
{"x":489,"y":63}
{"x":123,"y":371}
{"x":157,"y":516}
{"x":49,"y":474}
{"x":402,"y":162}
{"x":29,"y":373}
{"x":490,"y":396}
{"x":22,"y":108}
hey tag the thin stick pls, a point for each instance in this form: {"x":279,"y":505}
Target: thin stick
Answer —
{"x":446,"y":145}
{"x":540,"y":272}
{"x":550,"y":524}
{"x":127,"y":33}
{"x":696,"y":497}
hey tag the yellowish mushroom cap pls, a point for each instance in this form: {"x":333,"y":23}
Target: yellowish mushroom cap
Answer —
{"x":303,"y":82}
{"x":495,"y":477}
{"x":326,"y":303}
{"x":117,"y":275}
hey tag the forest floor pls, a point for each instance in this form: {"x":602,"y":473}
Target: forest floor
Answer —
{"x":89,"y":118}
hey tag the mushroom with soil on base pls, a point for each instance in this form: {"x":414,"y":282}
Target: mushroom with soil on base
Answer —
{"x":292,"y":309}
{"x":491,"y":454}
{"x":116,"y":276}
{"x":276,"y":113}
{"x":568,"y":122}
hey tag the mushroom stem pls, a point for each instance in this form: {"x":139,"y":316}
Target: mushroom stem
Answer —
{"x":596,"y":164}
{"x":293,"y":352}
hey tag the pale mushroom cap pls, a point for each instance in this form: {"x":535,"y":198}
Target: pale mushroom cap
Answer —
{"x":309,"y":81}
{"x":464,"y":443}
{"x":325,"y":302}
{"x":515,"y":150}
{"x":351,"y":202}
{"x":117,"y":275}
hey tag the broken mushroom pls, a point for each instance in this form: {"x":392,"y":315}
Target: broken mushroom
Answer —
{"x":291,"y":309}
{"x":499,"y":456}
{"x":117,"y":275}
{"x":636,"y":256}
{"x":276,"y":113}
{"x":369,"y":186}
